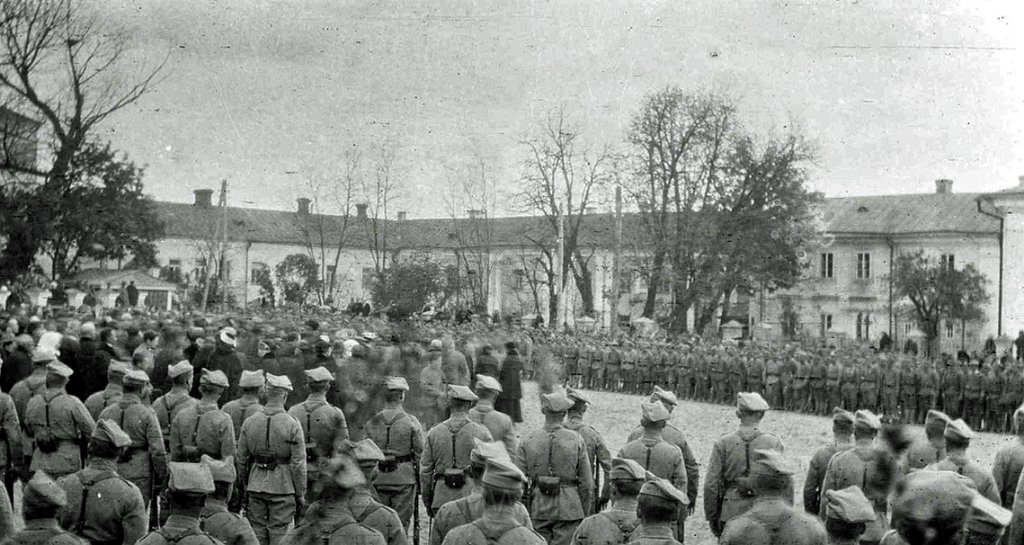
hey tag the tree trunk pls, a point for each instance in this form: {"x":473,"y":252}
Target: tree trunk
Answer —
{"x":657,"y":269}
{"x":707,"y":314}
{"x":584,"y":283}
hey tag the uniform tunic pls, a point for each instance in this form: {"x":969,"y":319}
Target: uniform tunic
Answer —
{"x":146,"y":457}
{"x":656,"y":534}
{"x":1006,"y":470}
{"x":983,"y":481}
{"x":398,"y":434}
{"x":560,"y":452}
{"x":181,"y":530}
{"x":26,"y":389}
{"x":498,"y":423}
{"x":98,"y":401}
{"x":324,"y":427}
{"x":772,"y":521}
{"x":240,"y":410}
{"x":335,"y":523}
{"x":43,"y":532}
{"x":204,"y":426}
{"x":675,"y":436}
{"x":225,"y":526}
{"x":373,"y":514}
{"x":114,"y":511}
{"x":816,"y":474}
{"x":433,"y":399}
{"x":167,"y":407}
{"x":617,"y":524}
{"x":859,"y":466}
{"x":438,"y":456}
{"x":10,"y":433}
{"x":731,"y":456}
{"x":69,"y":422}
{"x":497,"y":526}
{"x":597,"y":450}
{"x":465,"y":510}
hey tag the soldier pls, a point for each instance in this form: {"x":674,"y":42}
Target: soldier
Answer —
{"x":974,"y":404}
{"x":1013,"y":393}
{"x":675,"y":436}
{"x":202,"y":428}
{"x":144,"y":461}
{"x":737,"y":376}
{"x":329,"y":520}
{"x":170,"y":404}
{"x":323,"y":424}
{"x":498,"y":423}
{"x":400,"y":437}
{"x":755,"y":376}
{"x":111,"y":394}
{"x":586,"y":351}
{"x":656,"y":455}
{"x":862,"y":464}
{"x":272,"y":464}
{"x":930,"y":504}
{"x":726,"y":494}
{"x":952,"y":389}
{"x":597,"y":450}
{"x":787,"y":379}
{"x":465,"y":510}
{"x":847,"y":513}
{"x":834,"y":383}
{"x":619,"y":522}
{"x":869,"y":378}
{"x":433,"y":402}
{"x":627,"y":367}
{"x":1009,"y":462}
{"x":42,"y":500}
{"x":188,"y":486}
{"x":643,"y":370}
{"x":773,"y":384}
{"x":446,"y":451}
{"x":658,"y":505}
{"x":891,"y":389}
{"x":571,"y":361}
{"x":215,"y":518}
{"x":503,"y":487}
{"x":28,"y":387}
{"x":850,"y":385}
{"x":927,"y":389}
{"x":993,"y":385}
{"x":683,"y":364}
{"x":958,"y":437}
{"x":56,"y":424}
{"x":772,"y":519}
{"x":362,"y":504}
{"x":933,"y":447}
{"x":555,"y":461}
{"x":612,"y":368}
{"x":89,"y":512}
{"x":11,"y":456}
{"x":842,"y":434}
{"x":816,"y":384}
{"x":986,"y":523}
{"x":251,"y":385}
{"x":596,"y":368}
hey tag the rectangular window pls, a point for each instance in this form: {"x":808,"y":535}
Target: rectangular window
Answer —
{"x":947,"y":261}
{"x":863,"y":266}
{"x":826,"y":324}
{"x":258,"y":272}
{"x":906,"y":328}
{"x":174,"y":265}
{"x":949,"y":330}
{"x":826,"y":264}
{"x":518,"y":276}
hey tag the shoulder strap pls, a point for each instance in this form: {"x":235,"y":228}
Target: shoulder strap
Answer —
{"x":326,"y":533}
{"x":266,"y":438}
{"x":455,"y":436}
{"x":491,"y":539}
{"x":195,"y":429}
{"x":746,"y":446}
{"x":625,"y":530}
{"x":174,"y":538}
{"x":86,"y":485}
{"x":369,"y":510}
{"x":463,"y":507}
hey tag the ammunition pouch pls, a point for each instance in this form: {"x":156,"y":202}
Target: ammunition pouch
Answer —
{"x":311,"y":453}
{"x":191,"y":454}
{"x":454,"y":478}
{"x":388,"y":464}
{"x":265,"y":459}
{"x":46,"y":442}
{"x":549,"y":485}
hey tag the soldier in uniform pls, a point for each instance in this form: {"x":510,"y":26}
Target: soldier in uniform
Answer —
{"x":658,"y":505}
{"x":850,"y":384}
{"x":952,"y":388}
{"x":931,"y":504}
{"x":446,"y":451}
{"x":465,"y":510}
{"x":596,"y":381}
{"x":503,"y":487}
{"x":188,"y":486}
{"x":927,"y":389}
{"x":773,"y":385}
{"x":890,"y":398}
{"x":597,"y":450}
{"x":958,"y":437}
{"x":869,"y":381}
{"x":42,"y":500}
{"x":400,"y":437}
{"x":56,"y":424}
{"x":834,"y":383}
{"x":251,"y":385}
{"x":842,"y":434}
{"x":726,"y":494}
{"x":787,"y":379}
{"x":683,"y":364}
{"x":323,"y":424}
{"x":28,"y":387}
{"x":571,"y":361}
{"x":89,"y":512}
{"x":656,"y":455}
{"x":801,"y":386}
{"x":109,"y":395}
{"x":816,"y":384}
{"x":645,"y":367}
{"x":329,"y":520}
{"x":1013,"y":394}
{"x":618,"y":523}
{"x":933,"y":447}
{"x":627,"y":368}
{"x":272,"y":464}
{"x":1009,"y":461}
{"x":993,"y":394}
{"x":11,"y":456}
{"x":755,"y":376}
{"x":908,"y":392}
{"x":433,"y":402}
{"x":202,"y":428}
{"x":170,"y":404}
{"x":215,"y":518}
{"x":498,"y":423}
{"x":847,"y":513}
{"x":772,"y":520}
{"x":974,"y":406}
{"x":555,"y":461}
{"x":862,"y":464}
{"x":737,"y":376}
{"x":612,"y":368}
{"x":144,"y":461}
{"x":362,"y":504}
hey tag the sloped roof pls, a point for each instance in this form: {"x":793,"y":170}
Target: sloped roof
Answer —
{"x":103,"y":277}
{"x":908,"y":214}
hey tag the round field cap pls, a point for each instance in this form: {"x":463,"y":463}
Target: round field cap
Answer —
{"x":42,"y":490}
{"x":867,"y":420}
{"x":136,"y":376}
{"x":661,"y":488}
{"x":396,"y":383}
{"x":279,"y":382}
{"x":624,"y":469}
{"x":556,"y":402}
{"x":841,"y":416}
{"x":487,"y":382}
{"x":849,"y":505}
{"x":751,"y":402}
{"x":462,"y":393}
{"x":228,"y":336}
{"x":344,"y":471}
{"x":958,"y":429}
{"x":222,"y":471}
{"x":366,"y":452}
{"x":214,"y":378}
{"x":179,"y":369}
{"x":771,"y":462}
{"x":44,"y":354}
{"x":319,"y":374}
{"x":576,"y":395}
{"x":189,"y":477}
{"x":251,"y":379}
{"x":664,"y":396}
{"x":485,"y":450}
{"x":59,"y":369}
{"x":503,"y":475}
{"x":108,"y":430}
{"x":654,"y":412}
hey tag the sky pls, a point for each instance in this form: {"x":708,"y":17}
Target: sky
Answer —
{"x":270,"y":93}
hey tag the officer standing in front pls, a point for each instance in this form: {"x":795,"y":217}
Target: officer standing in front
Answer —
{"x":400,"y":437}
{"x":446,"y":452}
{"x":272,"y":464}
{"x":56,"y":424}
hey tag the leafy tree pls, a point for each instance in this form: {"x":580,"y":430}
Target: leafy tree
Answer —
{"x":938,"y":292}
{"x":298,"y":276}
{"x":409,"y":284}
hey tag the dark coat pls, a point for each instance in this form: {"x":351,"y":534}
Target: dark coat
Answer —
{"x":222,"y":358}
{"x":509,"y":377}
{"x":17,"y":365}
{"x":486,"y":364}
{"x":90,"y":369}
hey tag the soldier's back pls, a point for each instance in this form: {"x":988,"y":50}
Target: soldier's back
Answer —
{"x":229,"y":528}
{"x":178,"y":536}
{"x":381,"y":518}
{"x":240,"y":410}
{"x":483,"y":532}
{"x":345,"y":532}
{"x":609,"y":527}
{"x":1006,"y":470}
{"x":983,"y":481}
{"x":773,"y":522}
{"x":39,"y":534}
{"x":105,"y":520}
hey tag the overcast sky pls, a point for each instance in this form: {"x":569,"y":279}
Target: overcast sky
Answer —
{"x":264,"y":93}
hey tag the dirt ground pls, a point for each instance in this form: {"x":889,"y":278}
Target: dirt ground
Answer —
{"x":615,"y":415}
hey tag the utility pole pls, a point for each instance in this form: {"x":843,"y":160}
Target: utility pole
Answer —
{"x":223,"y":204}
{"x":218,"y":238}
{"x":616,"y":260}
{"x":559,"y":277}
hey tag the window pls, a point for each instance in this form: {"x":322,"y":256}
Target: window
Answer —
{"x":518,"y":275}
{"x":949,"y":330}
{"x":258,"y":272}
{"x":174,"y":265}
{"x":826,"y":264}
{"x":906,"y":328}
{"x":947,"y":261}
{"x":863,"y":266}
{"x":863,"y":325}
{"x":826,"y":324}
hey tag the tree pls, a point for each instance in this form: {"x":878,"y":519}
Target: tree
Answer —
{"x":380,"y":188}
{"x":409,"y":284}
{"x":938,"y":292}
{"x":473,"y":192}
{"x":65,"y":68}
{"x":298,"y":276}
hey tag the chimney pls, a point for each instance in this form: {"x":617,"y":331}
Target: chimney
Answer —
{"x":303,"y":206}
{"x":361,"y":210}
{"x":590,"y":210}
{"x":475,"y":213}
{"x":943,"y":186}
{"x":204,"y":197}
{"x":1020,"y":182}
{"x":402,"y":215}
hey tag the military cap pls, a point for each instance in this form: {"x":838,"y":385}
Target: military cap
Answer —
{"x":485,"y":450}
{"x":664,"y":396}
{"x":488,"y":382}
{"x":118,"y":369}
{"x":358,"y":351}
{"x":751,"y":402}
{"x":771,"y":462}
{"x":278,"y":381}
{"x":867,"y":419}
{"x":935,"y":416}
{"x":179,"y":369}
{"x":841,"y":416}
{"x":654,"y":412}
{"x":42,"y":490}
{"x":396,"y":383}
{"x":108,"y":430}
{"x":926,"y":495}
{"x":987,"y":517}
{"x":59,"y":369}
{"x":510,"y":345}
{"x":555,"y":402}
{"x":461,"y":393}
{"x":228,"y":336}
{"x":436,"y":345}
{"x":624,"y":469}
{"x":251,"y":379}
{"x":136,"y":376}
{"x":958,"y":429}
{"x":849,"y":505}
{"x":661,"y":488}
{"x":189,"y":477}
{"x":214,"y":378}
{"x":503,"y":475}
{"x":366,"y":452}
{"x":222,"y":471}
{"x":320,"y":374}
{"x":344,"y":471}
{"x":576,"y":395}
{"x":44,"y":354}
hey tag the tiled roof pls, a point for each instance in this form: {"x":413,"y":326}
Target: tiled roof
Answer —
{"x":878,"y":215}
